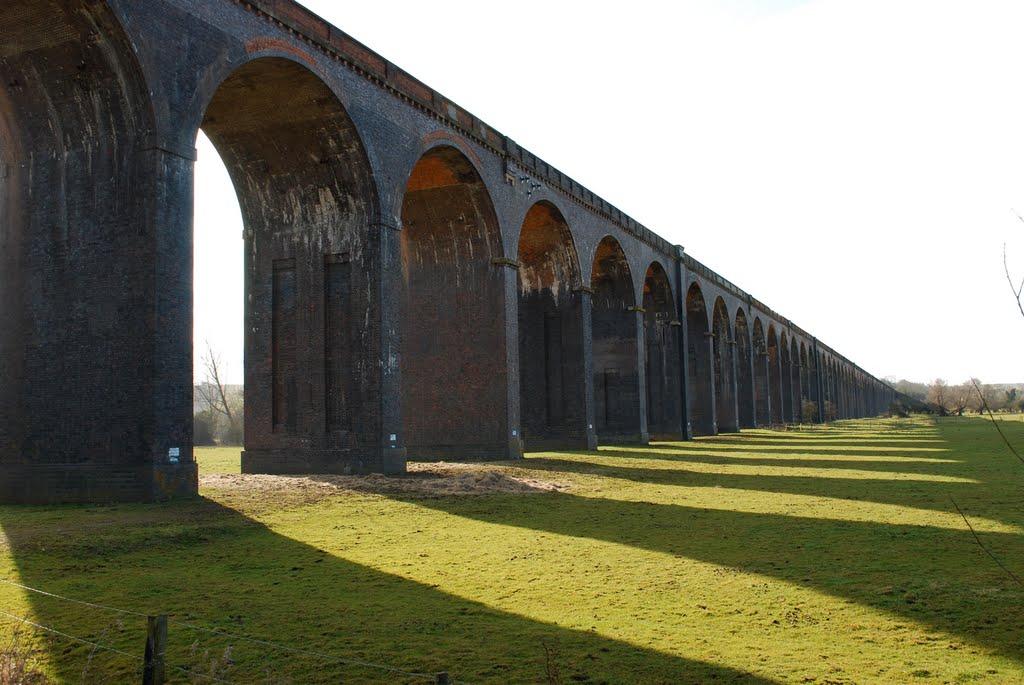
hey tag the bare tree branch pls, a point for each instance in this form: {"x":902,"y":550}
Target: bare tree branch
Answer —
{"x":1016,"y":290}
{"x":995,"y":423}
{"x":212,"y":390}
{"x":982,"y":545}
{"x":1009,"y":279}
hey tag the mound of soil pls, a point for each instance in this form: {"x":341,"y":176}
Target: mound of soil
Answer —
{"x":434,"y":479}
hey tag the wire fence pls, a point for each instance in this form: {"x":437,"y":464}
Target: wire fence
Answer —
{"x":217,"y":669}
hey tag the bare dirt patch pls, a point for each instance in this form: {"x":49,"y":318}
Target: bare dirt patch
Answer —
{"x":423,"y":480}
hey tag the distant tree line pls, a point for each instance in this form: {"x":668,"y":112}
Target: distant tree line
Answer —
{"x":971,"y":396}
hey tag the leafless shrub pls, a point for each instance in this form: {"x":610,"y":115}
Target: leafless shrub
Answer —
{"x":19,"y":661}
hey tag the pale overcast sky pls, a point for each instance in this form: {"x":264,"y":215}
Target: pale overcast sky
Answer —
{"x":851,"y":163}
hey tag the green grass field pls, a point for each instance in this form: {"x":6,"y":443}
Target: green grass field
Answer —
{"x":823,"y":555}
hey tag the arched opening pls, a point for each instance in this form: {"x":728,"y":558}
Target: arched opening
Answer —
{"x":823,"y":393}
{"x":858,"y":410}
{"x":786,"y":372}
{"x":746,"y":399}
{"x":840,"y":384}
{"x":796,"y":370}
{"x":850,"y":410}
{"x":725,"y":369}
{"x":849,"y":403}
{"x":551,"y":365}
{"x":218,"y":297}
{"x":830,"y":390}
{"x":664,"y":420}
{"x":775,"y":376}
{"x":810,"y":384}
{"x":762,"y":389}
{"x":847,"y":393}
{"x":454,"y":367}
{"x":861,"y":404}
{"x":614,"y":322}
{"x":700,"y":356}
{"x":307,"y":200}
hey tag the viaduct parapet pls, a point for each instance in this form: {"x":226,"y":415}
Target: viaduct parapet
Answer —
{"x":417,"y":284}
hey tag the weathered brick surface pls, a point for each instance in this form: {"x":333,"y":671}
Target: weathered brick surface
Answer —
{"x":56,"y":483}
{"x":745,"y":396}
{"x":700,"y":356}
{"x":404,"y":295}
{"x":616,"y":370}
{"x":551,"y":336}
{"x":724,"y":364}
{"x":662,"y":335}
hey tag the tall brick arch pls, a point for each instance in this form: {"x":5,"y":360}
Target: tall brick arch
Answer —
{"x":832,"y":401}
{"x":617,"y":392}
{"x":308,"y":201}
{"x":552,"y":371}
{"x":746,"y":396}
{"x":806,"y":378}
{"x":796,"y":371}
{"x":762,"y":391}
{"x":454,"y":338}
{"x":700,"y":354}
{"x":786,"y":378}
{"x":661,"y":333}
{"x":724,"y":354}
{"x":775,"y":375}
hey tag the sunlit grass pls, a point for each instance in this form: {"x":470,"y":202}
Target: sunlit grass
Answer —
{"x":720,"y":560}
{"x":779,"y":469}
{"x":762,"y":447}
{"x":218,"y":460}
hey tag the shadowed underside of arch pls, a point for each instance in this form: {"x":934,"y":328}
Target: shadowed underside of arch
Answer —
{"x":551,"y":356}
{"x":810,"y":384}
{"x":616,"y":361}
{"x":774,"y":375}
{"x":700,"y":355}
{"x":796,"y":379}
{"x":762,"y":389}
{"x":724,"y":348}
{"x":454,"y":366}
{"x":830,"y":387}
{"x":661,"y":333}
{"x":746,"y":399}
{"x":786,"y":378}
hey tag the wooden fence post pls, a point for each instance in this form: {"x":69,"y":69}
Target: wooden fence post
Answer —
{"x":156,"y":646}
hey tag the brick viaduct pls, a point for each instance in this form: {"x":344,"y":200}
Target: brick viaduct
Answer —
{"x":417,"y":285}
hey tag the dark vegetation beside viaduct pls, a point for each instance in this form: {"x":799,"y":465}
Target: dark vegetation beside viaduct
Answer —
{"x":417,"y":285}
